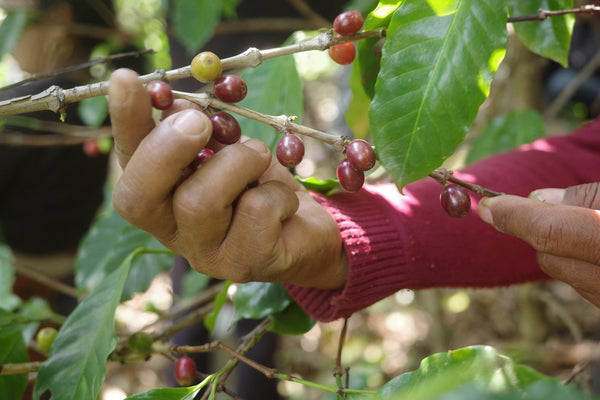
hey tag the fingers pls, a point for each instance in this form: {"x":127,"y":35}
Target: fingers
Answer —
{"x":582,"y":276}
{"x":202,"y":204}
{"x":561,"y":230}
{"x":586,"y":195}
{"x":143,"y":194}
{"x":130,"y":113}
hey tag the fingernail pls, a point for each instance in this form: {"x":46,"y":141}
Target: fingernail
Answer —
{"x":551,"y":195}
{"x":190,"y":122}
{"x":484,"y":212}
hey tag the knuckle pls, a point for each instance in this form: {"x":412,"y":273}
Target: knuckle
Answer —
{"x":129,"y":204}
{"x":587,"y":195}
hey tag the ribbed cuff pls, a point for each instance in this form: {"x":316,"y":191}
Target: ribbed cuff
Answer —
{"x":372,"y":240}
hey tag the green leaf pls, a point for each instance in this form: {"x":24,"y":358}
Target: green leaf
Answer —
{"x":183,"y":393}
{"x":357,"y":113}
{"x":507,"y":132}
{"x":550,"y":38}
{"x":194,"y":22}
{"x":442,"y":373}
{"x":8,"y":300}
{"x":11,"y":29}
{"x":107,"y":243}
{"x":274,"y":88}
{"x":434,"y":76}
{"x":291,"y":321}
{"x":93,"y":111}
{"x":12,"y":350}
{"x":211,"y":319}
{"x":76,"y":366}
{"x":366,"y":66}
{"x":256,"y":300}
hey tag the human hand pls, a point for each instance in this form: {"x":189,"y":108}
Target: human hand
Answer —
{"x":564,"y":228}
{"x":274,"y":231}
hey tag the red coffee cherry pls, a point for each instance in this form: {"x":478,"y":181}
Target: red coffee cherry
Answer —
{"x":230,"y":89}
{"x":160,"y":94}
{"x":185,"y":371}
{"x":290,"y":150}
{"x":343,"y":54}
{"x":455,"y":201}
{"x":348,"y":23}
{"x":350,"y":178}
{"x":361,"y":155}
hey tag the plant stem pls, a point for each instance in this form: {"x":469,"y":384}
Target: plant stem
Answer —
{"x":543,"y":15}
{"x":21,"y":368}
{"x":443,"y":175}
{"x":282,"y":123}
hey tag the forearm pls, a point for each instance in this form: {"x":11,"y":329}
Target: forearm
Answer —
{"x":396,"y":241}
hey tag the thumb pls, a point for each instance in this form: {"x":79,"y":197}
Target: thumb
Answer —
{"x":586,"y":195}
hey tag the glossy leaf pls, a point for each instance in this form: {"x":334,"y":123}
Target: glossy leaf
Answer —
{"x":507,"y":132}
{"x":442,"y":373}
{"x":194,"y":22}
{"x":274,"y":88}
{"x":182,"y":393}
{"x":104,"y":247}
{"x":550,"y":38}
{"x":93,"y":111}
{"x":79,"y":353}
{"x":12,"y":350}
{"x":11,"y":29}
{"x":366,"y":66}
{"x":317,"y":185}
{"x":211,"y":319}
{"x":291,"y":321}
{"x":434,"y":76}
{"x":255,"y":300}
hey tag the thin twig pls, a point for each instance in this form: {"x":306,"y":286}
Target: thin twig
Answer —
{"x":56,"y":98}
{"x":542,"y":15}
{"x":72,"y":68}
{"x":443,"y":175}
{"x":569,"y":90}
{"x":305,"y":9}
{"x":47,"y":281}
{"x":282,"y":123}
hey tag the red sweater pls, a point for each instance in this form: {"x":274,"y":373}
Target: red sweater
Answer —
{"x":396,"y":241}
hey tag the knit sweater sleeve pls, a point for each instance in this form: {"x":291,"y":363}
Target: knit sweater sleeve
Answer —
{"x":397,"y":241}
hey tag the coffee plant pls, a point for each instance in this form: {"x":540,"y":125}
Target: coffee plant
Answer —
{"x":420,"y":72}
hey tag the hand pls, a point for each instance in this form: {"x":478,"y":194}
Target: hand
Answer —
{"x":274,"y":231}
{"x":564,"y":228}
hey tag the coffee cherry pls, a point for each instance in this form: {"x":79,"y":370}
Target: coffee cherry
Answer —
{"x":343,"y":53}
{"x":230,"y":88}
{"x":45,"y":337}
{"x":160,"y":94}
{"x":105,"y":144}
{"x":226,"y":129}
{"x":361,"y":155}
{"x":350,"y":178}
{"x":206,"y":67}
{"x":290,"y":150}
{"x":202,"y":157}
{"x":348,"y":23}
{"x":455,"y":201}
{"x":185,"y":371}
{"x":90,"y":147}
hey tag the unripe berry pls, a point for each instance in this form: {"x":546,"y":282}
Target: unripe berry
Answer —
{"x":160,"y":94}
{"x":455,"y":201}
{"x":185,"y":371}
{"x":343,"y":54}
{"x":206,"y":67}
{"x":348,"y":23}
{"x":45,"y":337}
{"x":230,"y":89}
